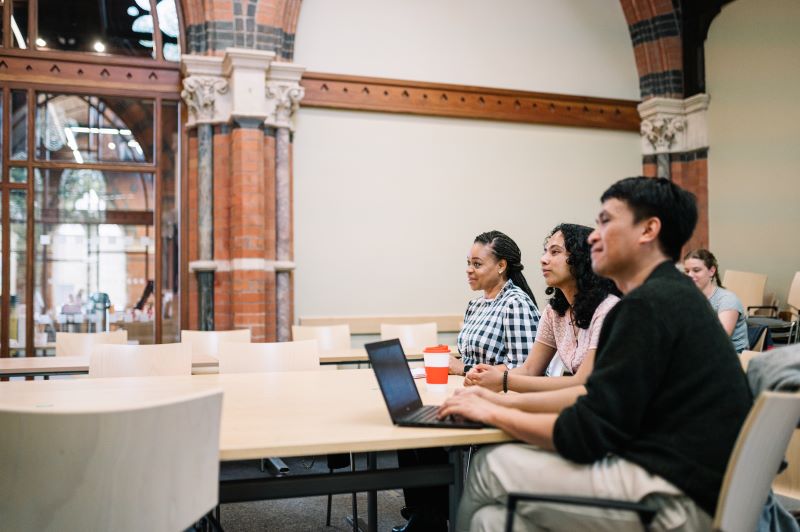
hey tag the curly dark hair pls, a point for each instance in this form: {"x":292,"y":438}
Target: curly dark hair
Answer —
{"x":592,"y":289}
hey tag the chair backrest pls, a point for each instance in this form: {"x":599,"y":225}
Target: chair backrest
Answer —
{"x":793,"y":298}
{"x":755,"y":460}
{"x":151,"y":467}
{"x":748,"y":287}
{"x":331,"y":338}
{"x":207,"y":342}
{"x":140,"y":360}
{"x":278,"y":356}
{"x":79,"y":344}
{"x":414,"y":338}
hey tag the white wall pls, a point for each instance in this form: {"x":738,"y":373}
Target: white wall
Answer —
{"x":568,"y":46}
{"x":386,"y":206}
{"x":752,"y":75}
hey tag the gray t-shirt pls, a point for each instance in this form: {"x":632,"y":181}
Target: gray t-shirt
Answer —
{"x":722,"y":300}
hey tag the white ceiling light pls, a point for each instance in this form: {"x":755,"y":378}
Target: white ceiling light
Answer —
{"x":41,"y":43}
{"x":99,"y":47}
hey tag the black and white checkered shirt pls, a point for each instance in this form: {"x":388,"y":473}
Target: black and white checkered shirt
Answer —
{"x":499,"y":330}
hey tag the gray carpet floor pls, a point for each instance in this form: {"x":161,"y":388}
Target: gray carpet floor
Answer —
{"x":307,"y":514}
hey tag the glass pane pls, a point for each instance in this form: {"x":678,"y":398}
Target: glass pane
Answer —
{"x":19,"y":125}
{"x":168,"y":24}
{"x":170,"y":223}
{"x":18,"y":175}
{"x":120,"y":27}
{"x":19,"y":23}
{"x":18,"y":241}
{"x":93,"y":129}
{"x":95,"y":250}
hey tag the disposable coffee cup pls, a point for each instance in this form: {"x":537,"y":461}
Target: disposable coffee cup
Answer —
{"x":437,"y":365}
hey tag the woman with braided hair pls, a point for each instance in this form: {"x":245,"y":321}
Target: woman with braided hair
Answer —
{"x":570,"y":326}
{"x":500,"y":326}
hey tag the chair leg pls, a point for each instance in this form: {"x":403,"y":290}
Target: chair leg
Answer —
{"x":355,"y":501}
{"x":330,"y":500}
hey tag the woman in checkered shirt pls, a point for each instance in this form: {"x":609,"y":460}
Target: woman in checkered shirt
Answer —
{"x":500,"y":326}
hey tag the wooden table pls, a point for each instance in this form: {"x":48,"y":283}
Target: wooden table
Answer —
{"x":76,"y":365}
{"x":69,"y":365}
{"x":285,"y":414}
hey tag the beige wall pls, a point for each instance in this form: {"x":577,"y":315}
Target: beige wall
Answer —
{"x":753,"y":75}
{"x":386,"y":206}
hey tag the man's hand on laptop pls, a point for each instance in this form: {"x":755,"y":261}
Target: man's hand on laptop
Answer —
{"x":475,"y":403}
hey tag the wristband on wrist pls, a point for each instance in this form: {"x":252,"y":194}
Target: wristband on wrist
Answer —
{"x":505,"y":381}
{"x":467,"y":367}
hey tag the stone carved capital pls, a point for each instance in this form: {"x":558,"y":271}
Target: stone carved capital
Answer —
{"x":660,"y":132}
{"x":200,"y":94}
{"x":285,"y":100}
{"x":674,"y":126}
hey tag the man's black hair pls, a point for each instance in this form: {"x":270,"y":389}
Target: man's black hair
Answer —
{"x":661,"y":198}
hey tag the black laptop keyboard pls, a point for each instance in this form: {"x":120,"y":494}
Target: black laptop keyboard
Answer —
{"x":426,"y":414}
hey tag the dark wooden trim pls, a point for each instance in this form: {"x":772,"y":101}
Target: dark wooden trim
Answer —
{"x":5,"y":281}
{"x":69,"y":73}
{"x":92,"y":57}
{"x":157,"y":212}
{"x":147,"y":168}
{"x":157,"y":49}
{"x":6,"y":28}
{"x":183,"y":205}
{"x":30,"y":256}
{"x":57,"y":216}
{"x":336,"y":91}
{"x":33,"y":23}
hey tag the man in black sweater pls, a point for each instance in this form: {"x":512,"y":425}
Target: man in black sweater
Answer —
{"x":660,"y":413}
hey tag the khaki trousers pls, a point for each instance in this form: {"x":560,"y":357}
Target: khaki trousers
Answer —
{"x":497,"y":470}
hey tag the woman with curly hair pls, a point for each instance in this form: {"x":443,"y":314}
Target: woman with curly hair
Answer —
{"x":570,"y":324}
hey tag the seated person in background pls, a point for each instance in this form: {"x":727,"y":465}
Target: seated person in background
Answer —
{"x":500,"y":326}
{"x":663,"y":406}
{"x":570,"y":324}
{"x":702,"y":268}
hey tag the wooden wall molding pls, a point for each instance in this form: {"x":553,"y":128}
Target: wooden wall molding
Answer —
{"x":114,"y":73}
{"x":335,"y":91}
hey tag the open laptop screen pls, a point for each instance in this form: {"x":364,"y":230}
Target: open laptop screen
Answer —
{"x":391,"y":369}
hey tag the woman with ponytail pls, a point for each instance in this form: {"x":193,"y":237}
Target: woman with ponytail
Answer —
{"x":500,"y":326}
{"x":702,"y":268}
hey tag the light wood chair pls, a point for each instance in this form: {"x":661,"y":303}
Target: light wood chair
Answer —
{"x":140,"y":360}
{"x":331,"y":338}
{"x":752,"y":466}
{"x":80,"y":344}
{"x":266,"y":357}
{"x":414,"y":338}
{"x":148,"y":467}
{"x":207,"y":342}
{"x":748,"y":287}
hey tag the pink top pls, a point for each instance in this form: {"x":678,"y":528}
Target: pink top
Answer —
{"x":557,"y":331}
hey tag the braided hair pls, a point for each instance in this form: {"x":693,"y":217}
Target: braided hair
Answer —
{"x":503,"y":247}
{"x":592,"y":289}
{"x":708,"y":259}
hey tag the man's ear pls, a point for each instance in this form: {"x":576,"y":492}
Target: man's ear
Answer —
{"x":651,"y":228}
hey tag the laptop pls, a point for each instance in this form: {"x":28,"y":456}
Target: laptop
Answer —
{"x":400,"y":393}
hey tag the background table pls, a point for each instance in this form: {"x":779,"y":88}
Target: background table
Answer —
{"x":283,"y":414}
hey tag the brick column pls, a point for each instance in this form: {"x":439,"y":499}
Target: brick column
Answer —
{"x":675,"y":146}
{"x":201,"y":88}
{"x":285,"y":93}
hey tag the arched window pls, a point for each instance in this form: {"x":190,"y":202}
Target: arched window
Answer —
{"x":89,"y":199}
